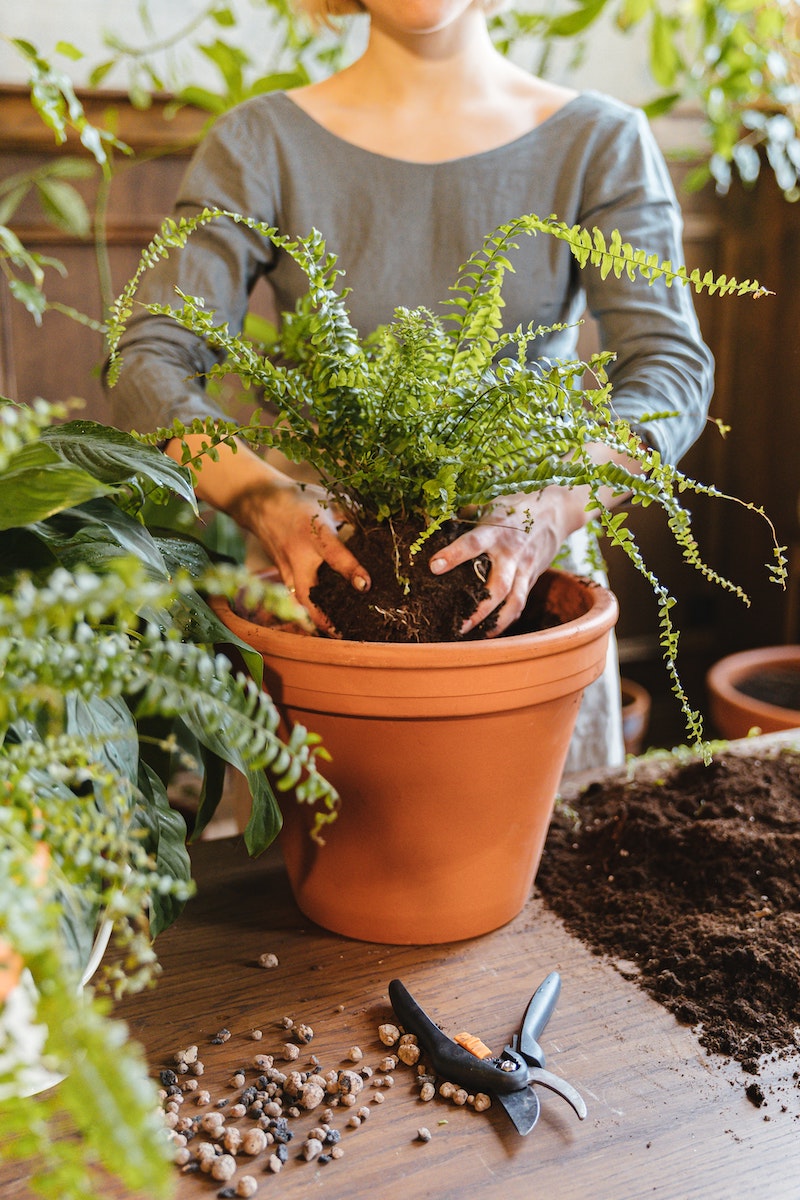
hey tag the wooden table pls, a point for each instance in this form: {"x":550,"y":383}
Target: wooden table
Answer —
{"x":665,"y":1120}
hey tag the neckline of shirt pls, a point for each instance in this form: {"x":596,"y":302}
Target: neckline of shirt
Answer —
{"x":504,"y":147}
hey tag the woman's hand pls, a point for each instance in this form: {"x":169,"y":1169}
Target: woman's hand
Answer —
{"x":295,"y":523}
{"x":298,"y":527}
{"x":521,"y":535}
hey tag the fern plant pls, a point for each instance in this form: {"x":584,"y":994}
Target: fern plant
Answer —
{"x":103,"y":624}
{"x":427,"y":417}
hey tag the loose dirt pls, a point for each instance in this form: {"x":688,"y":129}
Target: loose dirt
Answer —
{"x":690,"y":879}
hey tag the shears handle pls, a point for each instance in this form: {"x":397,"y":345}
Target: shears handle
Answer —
{"x":451,"y":1061}
{"x":537,"y":1014}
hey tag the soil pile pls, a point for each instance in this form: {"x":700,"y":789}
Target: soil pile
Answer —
{"x":693,"y":878}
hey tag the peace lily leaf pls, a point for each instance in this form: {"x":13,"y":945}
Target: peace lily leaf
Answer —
{"x":98,"y":533}
{"x":166,"y":841}
{"x":39,"y":483}
{"x":107,"y":725}
{"x":116,"y":457}
{"x":265,"y":820}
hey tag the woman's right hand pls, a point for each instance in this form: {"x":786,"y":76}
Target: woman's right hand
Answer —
{"x":296,"y":523}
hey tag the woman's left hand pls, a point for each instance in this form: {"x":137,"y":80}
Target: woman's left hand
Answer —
{"x":521,"y":535}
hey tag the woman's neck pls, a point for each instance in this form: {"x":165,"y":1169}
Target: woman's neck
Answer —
{"x":431,"y":96}
{"x":419,"y":69}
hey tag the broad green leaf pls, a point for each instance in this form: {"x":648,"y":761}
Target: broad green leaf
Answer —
{"x":38,"y":483}
{"x":107,"y":725}
{"x":96,"y":534}
{"x":65,"y":206}
{"x":266,"y":820}
{"x":116,"y":457}
{"x":166,"y":842}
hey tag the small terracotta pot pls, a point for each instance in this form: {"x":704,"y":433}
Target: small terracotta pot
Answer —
{"x":636,"y":706}
{"x":447,"y":757}
{"x":734,"y":713}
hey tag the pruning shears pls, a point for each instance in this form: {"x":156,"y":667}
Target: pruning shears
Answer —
{"x":511,"y":1076}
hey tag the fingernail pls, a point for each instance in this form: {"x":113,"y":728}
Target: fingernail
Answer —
{"x":360,"y":583}
{"x":438,"y":565}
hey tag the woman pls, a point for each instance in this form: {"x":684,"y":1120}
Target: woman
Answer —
{"x":404,"y":161}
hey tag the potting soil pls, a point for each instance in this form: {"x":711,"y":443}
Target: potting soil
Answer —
{"x":692,"y":877}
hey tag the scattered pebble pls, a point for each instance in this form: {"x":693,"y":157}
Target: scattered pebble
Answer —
{"x":389,"y":1034}
{"x":423,"y":1134}
{"x":223,"y":1168}
{"x":312,"y":1149}
{"x":268,"y":961}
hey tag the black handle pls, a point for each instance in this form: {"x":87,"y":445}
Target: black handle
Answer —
{"x":449,"y":1060}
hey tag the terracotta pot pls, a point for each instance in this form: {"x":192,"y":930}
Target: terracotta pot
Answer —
{"x":733,"y":712}
{"x":636,"y":706}
{"x":447,"y":758}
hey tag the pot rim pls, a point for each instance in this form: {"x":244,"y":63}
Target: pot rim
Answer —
{"x":601,"y":615}
{"x":727,"y":672}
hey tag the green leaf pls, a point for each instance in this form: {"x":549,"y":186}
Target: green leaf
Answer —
{"x":96,"y":534}
{"x":659,"y":105}
{"x":38,"y":483}
{"x":204,"y":99}
{"x":575,"y":22}
{"x":69,"y":51}
{"x":116,"y":457}
{"x":99,"y":73}
{"x":107,"y":725}
{"x":32,"y":297}
{"x":665,"y":59}
{"x":166,"y":842}
{"x":224,"y":17}
{"x":631,"y":12}
{"x":64,"y":206}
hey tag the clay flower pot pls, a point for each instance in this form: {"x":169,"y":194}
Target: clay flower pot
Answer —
{"x":772,"y":674}
{"x":636,"y":705}
{"x":447,"y":757}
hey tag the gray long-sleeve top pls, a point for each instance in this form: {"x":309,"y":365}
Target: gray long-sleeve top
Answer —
{"x":401,"y":230}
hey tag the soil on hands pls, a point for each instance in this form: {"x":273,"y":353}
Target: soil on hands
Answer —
{"x":692,"y":878}
{"x":429,"y":608}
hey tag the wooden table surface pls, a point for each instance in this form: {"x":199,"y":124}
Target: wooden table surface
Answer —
{"x":664,"y":1119}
